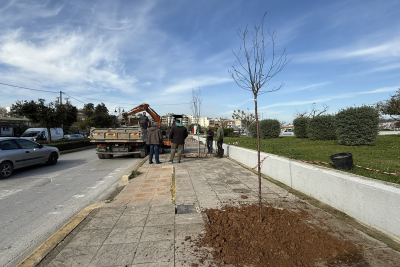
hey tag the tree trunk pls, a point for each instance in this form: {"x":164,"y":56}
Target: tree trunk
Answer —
{"x":258,"y":157}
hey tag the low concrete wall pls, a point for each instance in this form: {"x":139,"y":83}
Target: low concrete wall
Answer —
{"x":389,"y":132}
{"x":372,"y":202}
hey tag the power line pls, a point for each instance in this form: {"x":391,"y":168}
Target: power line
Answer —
{"x":29,"y":88}
{"x":72,"y":96}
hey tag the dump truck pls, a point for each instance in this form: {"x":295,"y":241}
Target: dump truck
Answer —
{"x":128,"y":139}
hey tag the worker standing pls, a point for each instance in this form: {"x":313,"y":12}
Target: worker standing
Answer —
{"x":144,"y":121}
{"x":177,"y":136}
{"x":154,"y":139}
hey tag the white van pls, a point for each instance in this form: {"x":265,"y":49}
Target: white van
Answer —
{"x":36,"y":134}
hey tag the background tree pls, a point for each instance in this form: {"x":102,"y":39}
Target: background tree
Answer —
{"x":313,"y":113}
{"x":196,"y":108}
{"x":391,"y":106}
{"x":223,"y":122}
{"x":68,"y":113}
{"x":246,"y":118}
{"x":256,"y":70}
{"x":101,"y":118}
{"x":88,"y":112}
{"x":51,"y":115}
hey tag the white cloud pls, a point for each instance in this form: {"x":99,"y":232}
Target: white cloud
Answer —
{"x":193,"y":83}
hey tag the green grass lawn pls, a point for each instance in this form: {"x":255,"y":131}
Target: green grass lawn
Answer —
{"x":384,"y":155}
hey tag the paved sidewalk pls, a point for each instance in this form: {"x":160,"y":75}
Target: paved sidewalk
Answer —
{"x":140,"y":226}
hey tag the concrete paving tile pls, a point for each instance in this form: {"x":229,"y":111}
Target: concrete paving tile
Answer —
{"x":152,"y":252}
{"x":162,"y":194}
{"x":132,"y":210}
{"x":157,"y":264}
{"x":115,"y":254}
{"x":118,"y":202}
{"x":160,"y":219}
{"x":124,"y":235}
{"x":162,"y":200}
{"x":74,"y":256}
{"x":109,"y":212}
{"x":93,"y":237}
{"x":158,"y":233}
{"x":136,"y":220}
{"x":101,"y":223}
{"x":188,"y":218}
{"x":144,"y":195}
{"x":163,"y":209}
{"x":184,"y":230}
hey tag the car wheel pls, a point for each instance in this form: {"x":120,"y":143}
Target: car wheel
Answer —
{"x":109,"y":156}
{"x":6,"y":169}
{"x":52,"y":159}
{"x":101,"y":156}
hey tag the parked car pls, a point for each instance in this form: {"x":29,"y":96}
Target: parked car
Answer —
{"x":17,"y":153}
{"x":36,"y":134}
{"x":74,"y":136}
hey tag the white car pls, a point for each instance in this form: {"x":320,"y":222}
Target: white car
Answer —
{"x":74,"y":136}
{"x":17,"y":153}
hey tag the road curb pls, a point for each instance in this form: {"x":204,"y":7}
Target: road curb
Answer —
{"x":125,"y":177}
{"x":41,"y":252}
{"x":35,"y":257}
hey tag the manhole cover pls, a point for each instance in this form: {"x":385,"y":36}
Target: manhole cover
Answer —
{"x":185,"y":209}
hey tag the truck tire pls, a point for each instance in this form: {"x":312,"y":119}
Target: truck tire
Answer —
{"x":101,"y":156}
{"x":108,"y":156}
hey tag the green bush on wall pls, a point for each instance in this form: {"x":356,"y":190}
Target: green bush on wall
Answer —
{"x":357,"y":126}
{"x":322,"y":128}
{"x":300,"y":127}
{"x":268,"y":129}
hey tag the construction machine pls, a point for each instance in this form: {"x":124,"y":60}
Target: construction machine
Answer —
{"x":128,"y":139}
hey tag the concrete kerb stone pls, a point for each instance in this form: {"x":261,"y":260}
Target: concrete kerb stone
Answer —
{"x":35,"y":257}
{"x":125,"y":177}
{"x":41,"y":252}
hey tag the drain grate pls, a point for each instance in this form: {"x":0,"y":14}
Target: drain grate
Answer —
{"x":185,"y":209}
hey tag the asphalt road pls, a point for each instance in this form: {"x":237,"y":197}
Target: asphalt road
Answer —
{"x":36,"y":201}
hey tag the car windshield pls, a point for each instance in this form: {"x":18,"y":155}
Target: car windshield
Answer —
{"x":30,"y":134}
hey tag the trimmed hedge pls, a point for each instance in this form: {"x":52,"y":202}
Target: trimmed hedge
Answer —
{"x":322,"y":128}
{"x":268,"y":129}
{"x":300,"y":127}
{"x":65,"y":144}
{"x":357,"y":126}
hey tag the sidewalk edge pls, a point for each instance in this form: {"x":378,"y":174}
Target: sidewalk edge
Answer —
{"x":36,"y":256}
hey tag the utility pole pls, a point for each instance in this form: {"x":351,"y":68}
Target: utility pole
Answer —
{"x":60,"y":98}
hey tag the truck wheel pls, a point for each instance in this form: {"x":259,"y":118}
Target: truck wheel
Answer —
{"x":108,"y":156}
{"x":101,"y":156}
{"x":6,"y":169}
{"x":142,"y":154}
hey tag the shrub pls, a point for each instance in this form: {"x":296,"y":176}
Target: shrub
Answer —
{"x":357,"y":126}
{"x":234,"y":134}
{"x":252,"y":130}
{"x":300,"y":127}
{"x":66,"y":144}
{"x":270,"y":129}
{"x":227,"y":131}
{"x":322,"y":128}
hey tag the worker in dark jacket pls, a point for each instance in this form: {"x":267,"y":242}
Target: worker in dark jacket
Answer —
{"x":154,"y":139}
{"x":177,"y":135}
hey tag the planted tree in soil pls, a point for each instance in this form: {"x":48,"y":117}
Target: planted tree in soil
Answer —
{"x":259,"y":66}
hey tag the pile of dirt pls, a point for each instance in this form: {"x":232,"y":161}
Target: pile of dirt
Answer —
{"x":283,"y":238}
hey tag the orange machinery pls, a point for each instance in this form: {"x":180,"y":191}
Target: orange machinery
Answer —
{"x":146,"y":108}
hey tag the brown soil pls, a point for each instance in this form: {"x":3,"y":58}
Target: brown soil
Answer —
{"x":283,"y":239}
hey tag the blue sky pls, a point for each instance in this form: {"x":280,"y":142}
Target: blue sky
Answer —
{"x":124,"y":53}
